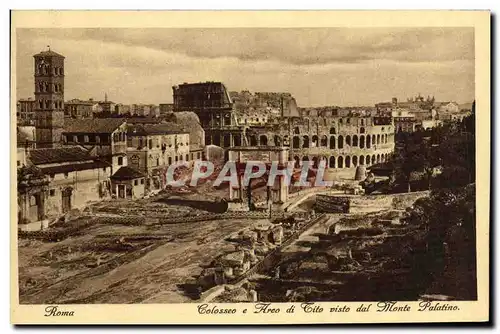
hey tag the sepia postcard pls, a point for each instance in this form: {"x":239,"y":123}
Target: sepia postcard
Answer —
{"x":246,"y":167}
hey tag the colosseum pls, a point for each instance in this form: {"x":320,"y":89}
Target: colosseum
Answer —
{"x":343,"y":138}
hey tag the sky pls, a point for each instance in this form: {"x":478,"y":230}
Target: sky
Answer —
{"x":318,"y":66}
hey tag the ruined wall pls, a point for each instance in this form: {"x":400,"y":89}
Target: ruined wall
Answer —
{"x":366,"y":204}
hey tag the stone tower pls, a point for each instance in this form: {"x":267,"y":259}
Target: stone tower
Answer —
{"x":49,"y":98}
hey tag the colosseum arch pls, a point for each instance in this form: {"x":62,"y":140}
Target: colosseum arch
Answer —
{"x":348,"y":162}
{"x":355,"y":161}
{"x":367,"y":161}
{"x":227,"y":140}
{"x":361,"y":141}
{"x":263,"y":140}
{"x":368,"y":141}
{"x":361,"y":130}
{"x":378,"y":158}
{"x":305,"y":158}
{"x":296,"y":142}
{"x":277,"y":140}
{"x":385,"y":140}
{"x":374,"y":140}
{"x":355,"y":140}
{"x":340,"y":143}
{"x":237,"y":140}
{"x":373,"y":159}
{"x":296,"y":130}
{"x":315,"y":162}
{"x":305,"y":143}
{"x":332,"y":142}
{"x":348,"y":140}
{"x":314,"y":141}
{"x":340,"y":163}
{"x":332,"y":162}
{"x":296,"y":160}
{"x":253,"y":140}
{"x":332,"y":131}
{"x":362,"y":160}
{"x":324,"y":141}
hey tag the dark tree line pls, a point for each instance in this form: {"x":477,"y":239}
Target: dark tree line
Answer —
{"x":440,"y":157}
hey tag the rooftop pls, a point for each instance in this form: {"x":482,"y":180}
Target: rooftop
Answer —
{"x":74,"y":167}
{"x":48,"y":53}
{"x":56,"y":155}
{"x":96,"y":125}
{"x":127,"y":173}
{"x":154,"y":129}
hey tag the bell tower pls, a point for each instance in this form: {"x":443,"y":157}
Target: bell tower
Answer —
{"x":49,"y":98}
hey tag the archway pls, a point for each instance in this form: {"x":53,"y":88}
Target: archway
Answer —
{"x":332,"y":142}
{"x":277,"y":140}
{"x":296,"y":142}
{"x":297,"y":162}
{"x":355,"y":161}
{"x":314,"y":141}
{"x":361,"y":141}
{"x":340,"y":142}
{"x":348,"y":140}
{"x":355,"y":140}
{"x":332,"y":162}
{"x":332,"y":130}
{"x":340,"y":163}
{"x":227,"y":140}
{"x":305,"y":143}
{"x":237,"y":140}
{"x":315,"y":162}
{"x":263,"y":140}
{"x":324,"y":141}
{"x":347,"y":162}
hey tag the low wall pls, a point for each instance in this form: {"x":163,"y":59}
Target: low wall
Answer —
{"x":366,"y":204}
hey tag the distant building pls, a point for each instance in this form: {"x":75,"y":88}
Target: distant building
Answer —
{"x":26,"y":111}
{"x":405,"y":124}
{"x":448,"y":107}
{"x":106,"y":107}
{"x":79,"y":109}
{"x":140,"y":109}
{"x":105,"y":138}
